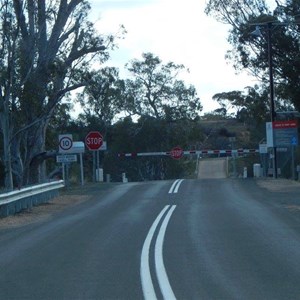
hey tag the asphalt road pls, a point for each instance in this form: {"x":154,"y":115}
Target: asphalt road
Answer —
{"x":184,"y":239}
{"x":212,"y":168}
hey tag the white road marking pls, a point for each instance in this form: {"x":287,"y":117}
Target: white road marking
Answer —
{"x":172,"y":186}
{"x":161,"y":273}
{"x":175,"y":186}
{"x":147,"y":283}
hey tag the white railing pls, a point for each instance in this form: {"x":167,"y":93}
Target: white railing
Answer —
{"x":15,"y":201}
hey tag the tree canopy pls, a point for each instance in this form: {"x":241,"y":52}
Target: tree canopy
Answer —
{"x":155,"y":91}
{"x":47,"y":49}
{"x":251,"y":52}
{"x":152,"y":90}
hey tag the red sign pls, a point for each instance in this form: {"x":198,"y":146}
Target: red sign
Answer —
{"x":176,"y":153}
{"x":285,"y":124}
{"x":94,"y":140}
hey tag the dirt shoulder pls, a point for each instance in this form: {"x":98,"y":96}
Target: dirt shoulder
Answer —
{"x":68,"y":197}
{"x":279,"y":185}
{"x":286,"y":190}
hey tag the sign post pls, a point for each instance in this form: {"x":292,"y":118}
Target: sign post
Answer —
{"x":285,"y":133}
{"x":65,"y":142}
{"x":66,"y":158}
{"x":281,"y":134}
{"x":176,"y":153}
{"x":68,"y":150}
{"x":94,"y":141}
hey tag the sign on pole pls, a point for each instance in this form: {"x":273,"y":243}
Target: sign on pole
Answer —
{"x":282,"y":133}
{"x":94,"y":140}
{"x":285,"y":133}
{"x":104,"y":146}
{"x":66,"y":158}
{"x":65,"y":142}
{"x":263,"y":148}
{"x":176,"y":153}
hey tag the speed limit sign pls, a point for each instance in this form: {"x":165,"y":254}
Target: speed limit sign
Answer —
{"x":65,"y":142}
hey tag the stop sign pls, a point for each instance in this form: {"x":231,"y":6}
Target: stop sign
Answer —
{"x":94,"y":140}
{"x":176,"y":153}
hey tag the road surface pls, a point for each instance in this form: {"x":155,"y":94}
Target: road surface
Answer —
{"x":212,"y":168}
{"x":178,"y":239}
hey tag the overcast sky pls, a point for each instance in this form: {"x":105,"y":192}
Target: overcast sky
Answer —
{"x":177,"y":31}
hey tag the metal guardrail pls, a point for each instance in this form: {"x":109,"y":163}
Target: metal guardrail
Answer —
{"x":15,"y":201}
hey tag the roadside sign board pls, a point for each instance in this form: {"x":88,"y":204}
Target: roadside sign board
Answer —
{"x":67,"y":158}
{"x":282,"y":133}
{"x":104,"y":146}
{"x":94,"y":140}
{"x":78,"y":147}
{"x":285,"y":133}
{"x":263,"y":148}
{"x":65,"y":142}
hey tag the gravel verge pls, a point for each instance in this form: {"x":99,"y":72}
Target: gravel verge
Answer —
{"x":279,"y":185}
{"x":68,"y":197}
{"x":288,"y":191}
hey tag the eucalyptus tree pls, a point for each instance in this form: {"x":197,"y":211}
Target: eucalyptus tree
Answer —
{"x":249,"y":107}
{"x":8,"y":85}
{"x":102,"y":97}
{"x":155,"y":90}
{"x":251,"y":52}
{"x":54,"y":45}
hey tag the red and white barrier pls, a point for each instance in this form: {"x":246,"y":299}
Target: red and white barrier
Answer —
{"x":197,"y":152}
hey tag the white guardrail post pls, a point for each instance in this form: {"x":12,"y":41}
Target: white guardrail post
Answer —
{"x":15,"y":201}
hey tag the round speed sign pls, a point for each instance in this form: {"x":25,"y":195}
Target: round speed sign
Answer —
{"x":65,"y":142}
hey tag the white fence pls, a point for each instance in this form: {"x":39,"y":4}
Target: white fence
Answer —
{"x":15,"y":201}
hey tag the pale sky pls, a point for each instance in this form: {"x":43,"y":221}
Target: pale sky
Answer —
{"x":177,"y":31}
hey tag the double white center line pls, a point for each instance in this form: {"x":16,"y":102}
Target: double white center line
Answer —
{"x":147,"y":284}
{"x":162,"y":277}
{"x":175,"y":186}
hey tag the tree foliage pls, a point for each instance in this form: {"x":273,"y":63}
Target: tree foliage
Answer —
{"x":155,"y":91}
{"x":250,"y":107}
{"x":102,"y":97}
{"x":251,"y":52}
{"x":149,"y":134}
{"x":47,"y":50}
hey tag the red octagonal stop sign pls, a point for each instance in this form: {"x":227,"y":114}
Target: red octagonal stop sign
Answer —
{"x":94,"y":140}
{"x":176,"y":153}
